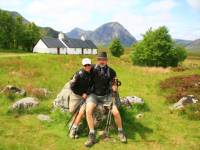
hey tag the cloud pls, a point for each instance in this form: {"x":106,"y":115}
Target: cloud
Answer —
{"x":194,"y":4}
{"x":154,"y":15}
{"x":136,"y":15}
{"x":161,"y":6}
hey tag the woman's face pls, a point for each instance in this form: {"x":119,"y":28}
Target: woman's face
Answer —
{"x":87,"y":67}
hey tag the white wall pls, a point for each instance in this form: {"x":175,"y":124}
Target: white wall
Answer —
{"x":94,"y":51}
{"x":74,"y":51}
{"x":40,"y":47}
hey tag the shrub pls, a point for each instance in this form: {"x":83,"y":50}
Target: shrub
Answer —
{"x":157,"y":49}
{"x":116,"y":48}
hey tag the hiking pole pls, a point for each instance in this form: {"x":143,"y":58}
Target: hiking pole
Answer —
{"x":76,"y":112}
{"x":109,"y":118}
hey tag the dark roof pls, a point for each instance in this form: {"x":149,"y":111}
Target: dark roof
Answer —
{"x":53,"y":42}
{"x":91,"y":44}
{"x":78,"y":43}
{"x":70,"y":42}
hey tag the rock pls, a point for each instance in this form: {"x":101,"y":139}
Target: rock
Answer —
{"x":10,"y":89}
{"x":43,"y":117}
{"x":129,"y":100}
{"x":139,"y":116}
{"x":25,"y":103}
{"x":62,"y":99}
{"x":100,"y":115}
{"x":190,"y":99}
{"x":40,"y":92}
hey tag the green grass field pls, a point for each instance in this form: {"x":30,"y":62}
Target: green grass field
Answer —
{"x":159,"y":129}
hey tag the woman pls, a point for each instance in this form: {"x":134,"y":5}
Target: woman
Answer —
{"x":80,"y":86}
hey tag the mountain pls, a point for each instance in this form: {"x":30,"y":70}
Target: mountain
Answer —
{"x":16,"y":14}
{"x":46,"y":31}
{"x":104,"y":34}
{"x":194,"y":46}
{"x":182,"y":42}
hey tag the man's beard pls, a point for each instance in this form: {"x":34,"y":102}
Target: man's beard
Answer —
{"x":102,"y":65}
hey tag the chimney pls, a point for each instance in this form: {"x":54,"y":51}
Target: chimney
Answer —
{"x":82,"y":38}
{"x":61,"y":36}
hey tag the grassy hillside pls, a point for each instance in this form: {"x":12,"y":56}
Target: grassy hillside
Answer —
{"x":159,"y":129}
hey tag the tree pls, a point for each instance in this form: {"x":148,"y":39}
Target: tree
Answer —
{"x":116,"y":48}
{"x":15,"y":34}
{"x":18,"y":33}
{"x":7,"y":24}
{"x":157,"y":49}
{"x":31,"y":36}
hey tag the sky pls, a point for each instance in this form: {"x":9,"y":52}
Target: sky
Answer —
{"x":182,"y":17}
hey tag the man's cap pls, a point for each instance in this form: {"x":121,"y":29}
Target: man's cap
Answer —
{"x":102,"y":55}
{"x":86,"y":61}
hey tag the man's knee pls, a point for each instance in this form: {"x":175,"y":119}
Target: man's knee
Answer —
{"x":115,"y":111}
{"x":90,"y":108}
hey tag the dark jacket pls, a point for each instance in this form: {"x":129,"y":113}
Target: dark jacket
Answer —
{"x":82,"y":82}
{"x":102,"y":78}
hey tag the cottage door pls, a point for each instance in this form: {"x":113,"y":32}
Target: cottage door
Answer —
{"x":58,"y":51}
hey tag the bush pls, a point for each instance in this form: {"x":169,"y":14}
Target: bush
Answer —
{"x":116,"y":48}
{"x":157,"y":49}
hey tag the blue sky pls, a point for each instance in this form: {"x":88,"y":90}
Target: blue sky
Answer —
{"x":182,"y":17}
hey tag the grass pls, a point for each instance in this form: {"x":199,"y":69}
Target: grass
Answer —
{"x":159,"y":129}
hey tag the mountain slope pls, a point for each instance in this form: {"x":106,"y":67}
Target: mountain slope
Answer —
{"x":194,"y":46}
{"x":182,"y":42}
{"x":104,"y":34}
{"x":46,"y":31}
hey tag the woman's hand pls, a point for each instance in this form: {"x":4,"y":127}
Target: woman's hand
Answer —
{"x":84,"y":96}
{"x":114,"y":88}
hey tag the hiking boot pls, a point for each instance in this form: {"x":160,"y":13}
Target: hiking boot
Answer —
{"x":91,"y":140}
{"x":122,"y":136}
{"x":73,"y":133}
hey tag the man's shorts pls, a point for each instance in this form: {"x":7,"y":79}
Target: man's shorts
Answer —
{"x":74,"y":102}
{"x":106,"y":100}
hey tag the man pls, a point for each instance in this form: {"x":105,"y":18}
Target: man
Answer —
{"x":102,"y":76}
{"x":80,"y":86}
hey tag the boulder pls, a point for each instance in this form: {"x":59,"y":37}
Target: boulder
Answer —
{"x":62,"y":98}
{"x":25,"y":103}
{"x":190,"y":99}
{"x":10,"y":89}
{"x":129,"y":100}
{"x":43,"y":117}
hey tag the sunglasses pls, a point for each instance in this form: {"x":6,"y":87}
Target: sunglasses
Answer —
{"x":87,"y":65}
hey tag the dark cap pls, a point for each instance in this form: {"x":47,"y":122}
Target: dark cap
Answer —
{"x":102,"y":55}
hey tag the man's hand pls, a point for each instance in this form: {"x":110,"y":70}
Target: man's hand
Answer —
{"x":114,"y":88}
{"x":84,"y":96}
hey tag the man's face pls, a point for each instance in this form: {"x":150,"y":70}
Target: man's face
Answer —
{"x":87,"y":67}
{"x":102,"y":61}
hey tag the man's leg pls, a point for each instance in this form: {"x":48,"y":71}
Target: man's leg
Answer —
{"x":89,"y":115}
{"x":117,"y":117}
{"x":118,"y":121}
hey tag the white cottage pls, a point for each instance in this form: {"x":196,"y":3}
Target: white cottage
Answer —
{"x":65,"y":45}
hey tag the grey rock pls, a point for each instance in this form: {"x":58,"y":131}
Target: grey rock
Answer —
{"x":11,"y":89}
{"x":25,"y":103}
{"x":43,"y":117}
{"x":129,"y":100}
{"x":62,"y":98}
{"x":190,"y":99}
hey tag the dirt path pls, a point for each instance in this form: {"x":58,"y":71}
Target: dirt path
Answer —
{"x":5,"y":55}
